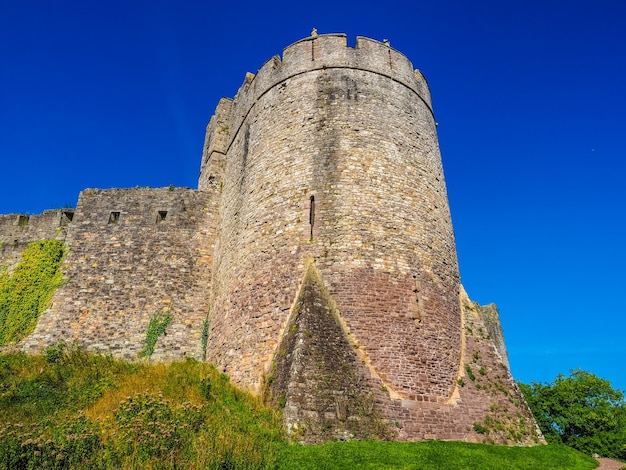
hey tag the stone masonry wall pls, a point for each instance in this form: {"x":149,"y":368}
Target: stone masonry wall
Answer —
{"x":485,"y":406}
{"x":133,"y":253}
{"x":332,"y":154}
{"x":491,"y":318}
{"x":18,"y":230}
{"x":327,"y":393}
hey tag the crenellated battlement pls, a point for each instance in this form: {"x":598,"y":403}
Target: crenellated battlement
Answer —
{"x":327,"y":51}
{"x":314,"y":53}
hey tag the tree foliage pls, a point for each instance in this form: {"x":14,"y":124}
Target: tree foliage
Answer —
{"x":582,"y":411}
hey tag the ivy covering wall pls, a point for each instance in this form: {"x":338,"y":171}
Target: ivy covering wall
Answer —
{"x":25,"y":293}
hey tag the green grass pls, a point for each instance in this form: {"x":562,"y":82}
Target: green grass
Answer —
{"x":69,"y":409}
{"x":435,"y":455}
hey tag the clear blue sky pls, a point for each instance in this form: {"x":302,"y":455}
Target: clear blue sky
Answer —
{"x":530,"y":97}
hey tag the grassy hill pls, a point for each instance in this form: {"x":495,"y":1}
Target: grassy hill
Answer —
{"x":66,"y":408}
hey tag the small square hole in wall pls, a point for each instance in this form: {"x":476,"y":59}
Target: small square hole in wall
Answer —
{"x":114,"y":217}
{"x":22,"y":220}
{"x":161,"y":215}
{"x":66,"y":217}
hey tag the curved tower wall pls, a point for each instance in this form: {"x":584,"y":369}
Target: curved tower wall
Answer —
{"x":350,"y":130}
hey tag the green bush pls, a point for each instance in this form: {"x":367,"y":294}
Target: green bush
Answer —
{"x":152,"y":428}
{"x":582,"y":411}
{"x":69,"y":442}
{"x":66,"y":408}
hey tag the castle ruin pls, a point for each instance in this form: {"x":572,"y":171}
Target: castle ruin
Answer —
{"x":315,"y":264}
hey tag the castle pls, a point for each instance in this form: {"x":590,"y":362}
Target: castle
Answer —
{"x":315,"y":264}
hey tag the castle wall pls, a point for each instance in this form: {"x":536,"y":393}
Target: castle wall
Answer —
{"x":327,"y":392}
{"x":491,"y":318}
{"x":486,"y":406}
{"x":133,"y":253}
{"x":327,"y":160}
{"x":18,"y":230}
{"x":318,"y":248}
{"x":215,"y":147}
{"x":351,"y":128}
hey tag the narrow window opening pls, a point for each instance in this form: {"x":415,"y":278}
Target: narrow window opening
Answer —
{"x":416,"y":314}
{"x":114,"y":217}
{"x":22,"y":220}
{"x":161,"y":215}
{"x":312,"y":215}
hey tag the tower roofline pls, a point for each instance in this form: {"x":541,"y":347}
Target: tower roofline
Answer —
{"x":324,"y":52}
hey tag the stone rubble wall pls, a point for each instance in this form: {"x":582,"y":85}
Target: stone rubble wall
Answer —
{"x":155,"y":258}
{"x":18,"y":230}
{"x":491,"y":318}
{"x":215,"y":147}
{"x":321,"y":380}
{"x":350,"y":129}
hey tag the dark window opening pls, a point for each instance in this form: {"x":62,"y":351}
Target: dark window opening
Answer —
{"x":312,"y":215}
{"x":22,"y":220}
{"x":67,"y":217}
{"x":161,"y":215}
{"x":114,"y":217}
{"x":417,"y":314}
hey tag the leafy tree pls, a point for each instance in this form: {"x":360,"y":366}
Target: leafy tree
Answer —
{"x":582,"y":411}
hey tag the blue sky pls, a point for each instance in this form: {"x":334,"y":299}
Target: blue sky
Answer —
{"x":530,"y":97}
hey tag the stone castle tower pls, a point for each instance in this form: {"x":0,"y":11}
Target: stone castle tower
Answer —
{"x":320,"y":243}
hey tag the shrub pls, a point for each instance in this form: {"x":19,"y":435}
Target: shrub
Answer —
{"x":150,"y":427}
{"x":582,"y":411}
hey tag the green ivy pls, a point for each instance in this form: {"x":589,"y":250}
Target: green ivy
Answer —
{"x":26,"y":292}
{"x":156,"y":328}
{"x":205,"y":336}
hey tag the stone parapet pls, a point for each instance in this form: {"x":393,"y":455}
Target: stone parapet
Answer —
{"x":319,"y":52}
{"x":18,"y":230}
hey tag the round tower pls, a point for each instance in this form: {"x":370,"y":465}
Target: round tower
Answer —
{"x":327,"y":160}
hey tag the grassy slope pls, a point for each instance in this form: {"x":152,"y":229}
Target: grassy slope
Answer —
{"x":69,"y":409}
